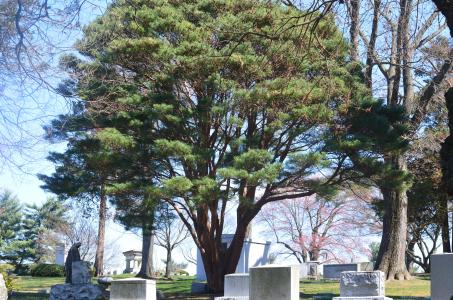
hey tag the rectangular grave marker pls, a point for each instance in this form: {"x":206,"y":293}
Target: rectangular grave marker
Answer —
{"x":362,"y":286}
{"x":441,"y":276}
{"x":273,"y":282}
{"x":133,"y":288}
{"x":236,"y":287}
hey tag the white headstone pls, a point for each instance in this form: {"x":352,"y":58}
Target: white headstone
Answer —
{"x":362,"y":285}
{"x":3,"y":290}
{"x":236,"y":287}
{"x":273,"y":282}
{"x":133,"y":288}
{"x":441,"y":276}
{"x":60,"y":254}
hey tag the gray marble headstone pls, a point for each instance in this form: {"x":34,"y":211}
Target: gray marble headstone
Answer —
{"x":271,"y":282}
{"x":441,"y":276}
{"x":81,"y":272}
{"x":362,"y":285}
{"x":333,"y":271}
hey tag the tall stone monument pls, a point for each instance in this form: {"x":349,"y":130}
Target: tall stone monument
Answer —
{"x":441,"y":278}
{"x":78,"y":284}
{"x":60,"y":254}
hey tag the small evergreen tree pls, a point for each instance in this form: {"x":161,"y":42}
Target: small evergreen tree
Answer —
{"x":23,"y":244}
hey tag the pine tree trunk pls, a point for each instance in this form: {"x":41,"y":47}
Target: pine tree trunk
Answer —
{"x":218,"y":262}
{"x":146,"y":269}
{"x":168,"y":263}
{"x":391,"y":257}
{"x":99,"y":260}
{"x":410,"y":249}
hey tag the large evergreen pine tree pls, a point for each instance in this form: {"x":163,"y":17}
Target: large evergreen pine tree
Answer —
{"x":240,"y":107}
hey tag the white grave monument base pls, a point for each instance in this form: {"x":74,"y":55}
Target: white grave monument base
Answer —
{"x":3,"y":290}
{"x":362,"y":286}
{"x":133,"y":288}
{"x":273,"y":282}
{"x":236,"y":287}
{"x":441,"y":278}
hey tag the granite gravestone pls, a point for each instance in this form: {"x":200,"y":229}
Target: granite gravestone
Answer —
{"x":441,"y":278}
{"x":273,"y":282}
{"x":333,"y":271}
{"x":362,"y":285}
{"x":78,"y":284}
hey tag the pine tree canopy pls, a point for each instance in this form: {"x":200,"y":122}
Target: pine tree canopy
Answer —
{"x":230,"y":101}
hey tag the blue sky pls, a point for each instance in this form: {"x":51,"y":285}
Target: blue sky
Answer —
{"x":24,"y":109}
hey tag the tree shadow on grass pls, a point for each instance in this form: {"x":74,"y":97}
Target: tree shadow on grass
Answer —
{"x":319,"y":296}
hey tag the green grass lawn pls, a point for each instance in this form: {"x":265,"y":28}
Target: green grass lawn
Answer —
{"x":179,"y":287}
{"x":417,"y":287}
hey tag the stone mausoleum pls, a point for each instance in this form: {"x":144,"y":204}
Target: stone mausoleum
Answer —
{"x":253,"y":254}
{"x":133,"y":261}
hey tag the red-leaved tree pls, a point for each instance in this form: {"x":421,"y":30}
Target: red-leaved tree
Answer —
{"x":314,"y":228}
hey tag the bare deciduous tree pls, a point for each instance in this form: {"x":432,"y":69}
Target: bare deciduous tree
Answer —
{"x":392,"y":46}
{"x":171,"y":232}
{"x":32,"y":36}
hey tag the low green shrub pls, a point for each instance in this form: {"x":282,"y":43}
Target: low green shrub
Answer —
{"x":23,"y":270}
{"x":47,"y":270}
{"x":181,"y":272}
{"x":6,"y":268}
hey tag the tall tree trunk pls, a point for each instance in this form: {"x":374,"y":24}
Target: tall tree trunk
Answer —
{"x":168,"y":263}
{"x":446,"y":155}
{"x":314,"y":255}
{"x":146,"y":269}
{"x":446,"y":8}
{"x":391,"y":257}
{"x":99,"y":260}
{"x":219,"y":261}
{"x":354,"y":29}
{"x":445,"y":226}
{"x":372,"y":45}
{"x":410,"y":250}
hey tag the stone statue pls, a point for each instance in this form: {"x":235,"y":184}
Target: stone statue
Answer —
{"x":73,"y":255}
{"x":78,"y":284}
